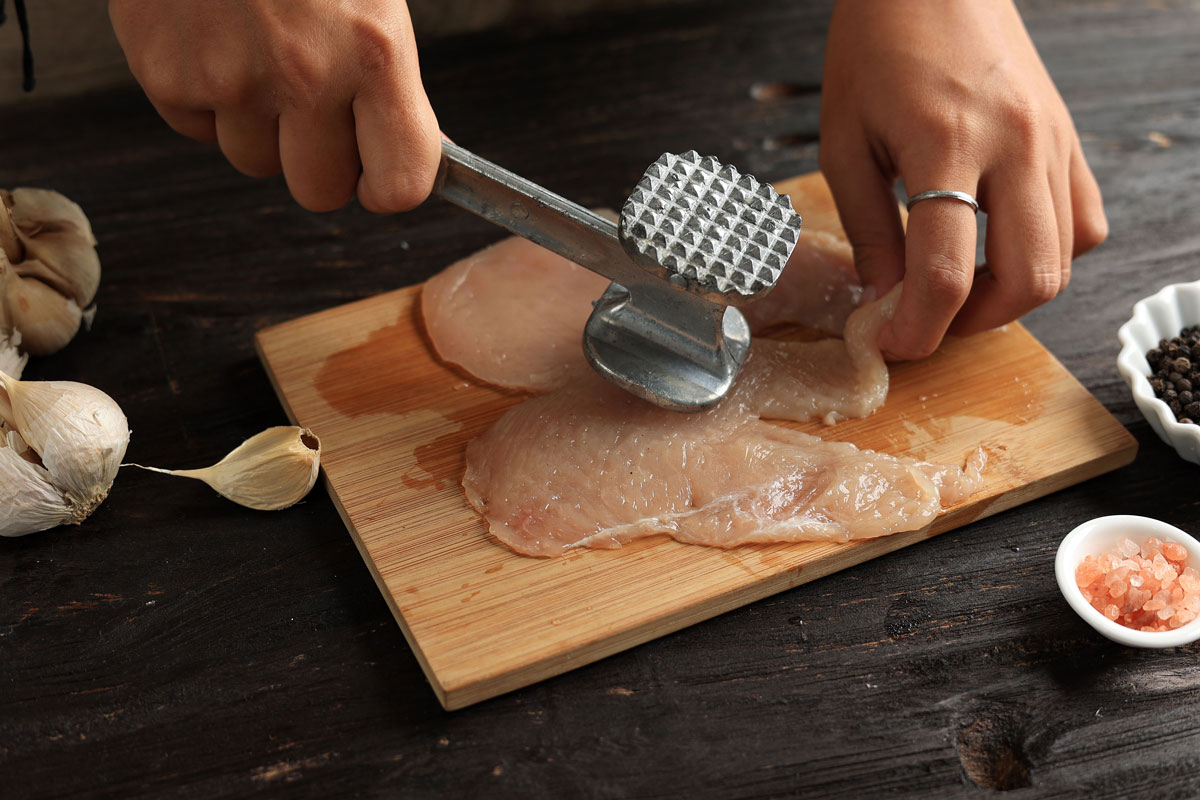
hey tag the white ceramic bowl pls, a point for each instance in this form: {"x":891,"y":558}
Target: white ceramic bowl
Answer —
{"x":1095,"y":537}
{"x":1161,"y":316}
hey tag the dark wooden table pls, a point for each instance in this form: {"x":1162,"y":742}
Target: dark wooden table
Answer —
{"x":177,"y":645}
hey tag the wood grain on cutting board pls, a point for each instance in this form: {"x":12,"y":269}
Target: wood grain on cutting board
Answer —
{"x":394,"y":423}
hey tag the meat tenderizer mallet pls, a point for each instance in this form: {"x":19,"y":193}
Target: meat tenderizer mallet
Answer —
{"x":695,"y":239}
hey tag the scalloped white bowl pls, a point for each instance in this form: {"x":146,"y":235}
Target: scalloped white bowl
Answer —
{"x":1101,"y":534}
{"x":1160,"y":316}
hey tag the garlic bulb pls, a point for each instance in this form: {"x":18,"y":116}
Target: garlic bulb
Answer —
{"x":61,"y":444}
{"x":269,"y":471}
{"x":49,"y":270}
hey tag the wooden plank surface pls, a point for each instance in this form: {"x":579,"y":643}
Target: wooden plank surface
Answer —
{"x":394,"y":423}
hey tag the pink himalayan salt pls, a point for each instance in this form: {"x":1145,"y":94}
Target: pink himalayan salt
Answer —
{"x":1147,"y":587}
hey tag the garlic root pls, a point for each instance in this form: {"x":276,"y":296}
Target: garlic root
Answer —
{"x":270,"y":471}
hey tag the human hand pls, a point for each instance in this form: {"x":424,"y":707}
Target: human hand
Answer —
{"x":952,"y":95}
{"x":328,"y":91}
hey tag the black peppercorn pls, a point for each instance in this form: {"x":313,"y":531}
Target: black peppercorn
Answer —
{"x":1175,"y":373}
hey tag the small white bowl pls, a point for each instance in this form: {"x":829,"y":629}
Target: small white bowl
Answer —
{"x":1101,"y":534}
{"x":1161,"y":316}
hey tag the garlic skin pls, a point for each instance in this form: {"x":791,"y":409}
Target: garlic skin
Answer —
{"x":68,"y":436}
{"x":49,"y":269}
{"x":31,"y":503}
{"x":268,"y":472}
{"x":12,"y":360}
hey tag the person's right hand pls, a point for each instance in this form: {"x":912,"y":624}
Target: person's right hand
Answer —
{"x":952,"y":95}
{"x":328,"y":91}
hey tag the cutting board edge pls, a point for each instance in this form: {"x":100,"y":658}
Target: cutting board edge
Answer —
{"x":454,"y":697}
{"x":455,"y":692}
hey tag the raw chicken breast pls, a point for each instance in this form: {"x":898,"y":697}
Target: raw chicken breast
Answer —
{"x":590,"y":465}
{"x":829,"y":379}
{"x":818,"y":288}
{"x":512,"y":314}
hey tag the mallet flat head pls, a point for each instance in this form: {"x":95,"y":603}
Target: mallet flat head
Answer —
{"x":704,"y":226}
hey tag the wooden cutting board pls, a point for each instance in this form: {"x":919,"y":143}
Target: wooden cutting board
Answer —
{"x":394,"y":423}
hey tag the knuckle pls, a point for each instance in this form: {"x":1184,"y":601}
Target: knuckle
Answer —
{"x":302,"y":72}
{"x":945,"y":280}
{"x":160,"y":81}
{"x":950,"y":133}
{"x":1044,"y":286}
{"x":376,"y":44}
{"x":222,"y":86}
{"x":1021,"y":120}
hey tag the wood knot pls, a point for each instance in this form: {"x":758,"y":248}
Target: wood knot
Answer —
{"x":991,"y":748}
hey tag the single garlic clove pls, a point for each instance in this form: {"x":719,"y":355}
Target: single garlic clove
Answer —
{"x":269,"y":471}
{"x":77,"y":431}
{"x":54,"y":230}
{"x":36,"y":212}
{"x":47,"y":320}
{"x":65,"y":261}
{"x":31,"y":503}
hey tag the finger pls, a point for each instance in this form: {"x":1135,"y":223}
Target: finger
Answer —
{"x":1059,"y":181}
{"x":939,"y":265}
{"x":198,"y":125}
{"x":397,"y":132}
{"x":1023,"y":251}
{"x":319,"y":155}
{"x":1087,"y":206}
{"x":871,"y":218}
{"x":251,"y":143}
{"x":400,"y":147}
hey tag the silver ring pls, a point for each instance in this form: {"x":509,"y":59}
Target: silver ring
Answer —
{"x":962,"y":197}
